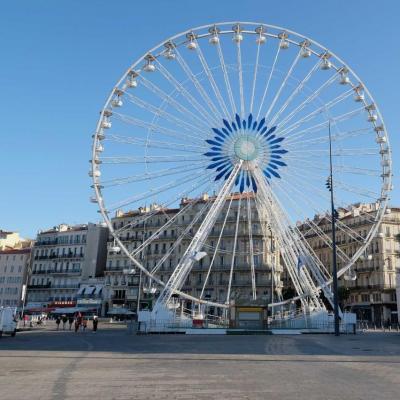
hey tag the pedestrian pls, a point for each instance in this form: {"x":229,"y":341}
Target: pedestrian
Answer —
{"x":70,"y":321}
{"x":64,"y":321}
{"x":84,"y":324}
{"x":95,"y":323}
{"x":58,"y":320}
{"x":78,"y":321}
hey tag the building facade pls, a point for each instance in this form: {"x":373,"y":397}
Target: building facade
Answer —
{"x":163,"y":254}
{"x":62,"y":258}
{"x":14,"y":265}
{"x":371,"y":292}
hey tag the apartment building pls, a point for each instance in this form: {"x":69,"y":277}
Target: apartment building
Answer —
{"x":62,"y":258}
{"x":372,"y":288}
{"x":14,"y":265}
{"x":164,"y":253}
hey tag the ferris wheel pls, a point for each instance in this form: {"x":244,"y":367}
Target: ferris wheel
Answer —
{"x":243,"y":111}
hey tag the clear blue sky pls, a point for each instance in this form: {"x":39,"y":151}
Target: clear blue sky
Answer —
{"x":59,"y":60}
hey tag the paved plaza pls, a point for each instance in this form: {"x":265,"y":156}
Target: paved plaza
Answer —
{"x":46,"y":364}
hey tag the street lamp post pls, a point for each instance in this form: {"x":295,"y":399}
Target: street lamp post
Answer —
{"x":333,"y":220}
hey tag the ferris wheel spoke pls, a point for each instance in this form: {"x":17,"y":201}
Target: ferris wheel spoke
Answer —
{"x":213,"y":84}
{"x":240,"y":73}
{"x":185,"y":93}
{"x":324,"y":109}
{"x":251,"y":248}
{"x":150,"y":193}
{"x":180,"y":273}
{"x":289,"y":251}
{"x":335,"y":153}
{"x":283,"y":84}
{"x":169,"y":220}
{"x":148,"y":176}
{"x":295,"y":92}
{"x":343,"y":135}
{"x":304,"y":251}
{"x":226,"y":78}
{"x":268,"y":81}
{"x":323,"y":126}
{"x":153,"y":127}
{"x":198,"y":86}
{"x":253,"y":90}
{"x":307,"y":101}
{"x":349,"y":169}
{"x":184,"y":234}
{"x":149,"y":159}
{"x":216,"y":248}
{"x":298,"y":193}
{"x":298,"y":188}
{"x":356,"y":189}
{"x":174,"y":103}
{"x":159,"y":112}
{"x":233,"y":251}
{"x":346,"y":169}
{"x":168,"y":203}
{"x":188,"y":148}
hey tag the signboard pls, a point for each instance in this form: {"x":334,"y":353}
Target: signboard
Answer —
{"x":62,"y":303}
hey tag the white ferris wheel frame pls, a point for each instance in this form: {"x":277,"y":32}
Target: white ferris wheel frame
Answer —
{"x":293,"y":38}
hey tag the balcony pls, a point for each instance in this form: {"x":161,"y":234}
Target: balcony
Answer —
{"x":70,"y":255}
{"x":67,"y":272}
{"x":37,"y":286}
{"x":66,"y":286}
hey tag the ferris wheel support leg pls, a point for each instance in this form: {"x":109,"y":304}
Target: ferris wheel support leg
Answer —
{"x":182,"y":270}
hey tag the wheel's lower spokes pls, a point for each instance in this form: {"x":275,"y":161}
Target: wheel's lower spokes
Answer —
{"x":178,"y":241}
{"x":228,"y":294}
{"x":170,"y":221}
{"x":251,"y":248}
{"x":285,"y":252}
{"x":299,"y":256}
{"x":168,"y":203}
{"x":296,"y":193}
{"x":182,"y":270}
{"x":216,"y":248}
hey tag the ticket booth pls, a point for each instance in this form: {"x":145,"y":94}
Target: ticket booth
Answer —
{"x":254,"y":317}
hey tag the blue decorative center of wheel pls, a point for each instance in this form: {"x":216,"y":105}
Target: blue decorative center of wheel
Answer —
{"x":250,"y":141}
{"x":246,"y":148}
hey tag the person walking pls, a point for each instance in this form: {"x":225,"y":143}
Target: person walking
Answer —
{"x":84,"y":324}
{"x":95,"y":323}
{"x":78,"y":321}
{"x":70,"y":321}
{"x":64,"y":321}
{"x":58,"y":320}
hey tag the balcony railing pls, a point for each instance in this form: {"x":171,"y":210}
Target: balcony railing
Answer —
{"x":40,"y":286}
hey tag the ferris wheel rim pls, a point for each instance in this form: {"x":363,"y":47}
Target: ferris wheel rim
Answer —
{"x":383,"y":202}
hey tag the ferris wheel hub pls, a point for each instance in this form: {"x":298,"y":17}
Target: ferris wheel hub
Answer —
{"x":246,"y":148}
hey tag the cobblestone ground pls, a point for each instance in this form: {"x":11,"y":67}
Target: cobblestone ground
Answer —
{"x":49,"y":364}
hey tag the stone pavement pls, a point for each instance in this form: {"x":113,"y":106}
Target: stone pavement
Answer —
{"x":46,"y":364}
